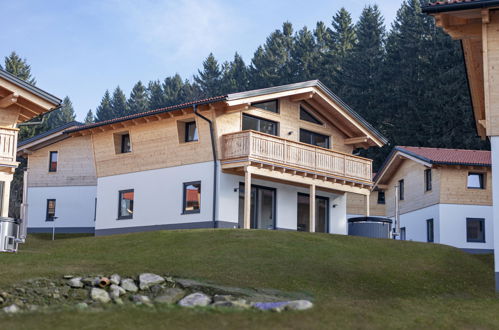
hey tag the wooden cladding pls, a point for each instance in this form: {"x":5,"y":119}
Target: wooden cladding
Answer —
{"x":258,"y":146}
{"x":8,"y":145}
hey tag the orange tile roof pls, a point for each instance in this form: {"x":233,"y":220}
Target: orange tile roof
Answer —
{"x":449,"y":156}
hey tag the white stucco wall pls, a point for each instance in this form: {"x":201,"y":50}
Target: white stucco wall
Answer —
{"x":453,"y":225}
{"x":158,"y":196}
{"x":415,"y":223}
{"x":494,"y":144}
{"x":286,"y":203}
{"x":75,"y":206}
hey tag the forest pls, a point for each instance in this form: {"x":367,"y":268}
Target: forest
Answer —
{"x":408,"y":80}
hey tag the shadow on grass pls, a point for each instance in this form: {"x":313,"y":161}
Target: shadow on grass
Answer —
{"x":48,"y":237}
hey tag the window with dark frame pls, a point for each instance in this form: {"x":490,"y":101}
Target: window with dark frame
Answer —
{"x":53,"y":156}
{"x":429,"y":231}
{"x":191,"y":132}
{"x":125,"y":204}
{"x":476,"y":181}
{"x":401,"y":189}
{"x":427,"y":179}
{"x":191,"y":197}
{"x":475,"y":230}
{"x":125,"y":143}
{"x":313,"y":138}
{"x":259,"y":124}
{"x":381,"y":197}
{"x":307,"y":116}
{"x":403,"y":234}
{"x":272,"y":105}
{"x":50,"y":210}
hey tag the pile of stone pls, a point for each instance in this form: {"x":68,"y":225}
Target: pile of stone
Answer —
{"x":148,"y":290}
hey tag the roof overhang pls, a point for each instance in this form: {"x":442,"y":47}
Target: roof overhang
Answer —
{"x":27,"y":146}
{"x":433,"y":8}
{"x":28,"y":100}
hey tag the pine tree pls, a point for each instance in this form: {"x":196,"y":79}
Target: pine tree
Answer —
{"x":65,"y":114}
{"x":118,"y":103}
{"x":235,"y":76}
{"x":304,"y":57}
{"x":104,"y":110}
{"x":172,"y":87}
{"x":210,"y":77}
{"x":155,"y":95}
{"x":19,"y":67}
{"x":89,"y":118}
{"x":137,"y":102}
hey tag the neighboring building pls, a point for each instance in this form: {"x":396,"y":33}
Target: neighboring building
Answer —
{"x":61,"y":181}
{"x":445,"y":195}
{"x":19,"y":102}
{"x":476,"y":24}
{"x":357,"y":206}
{"x":156,"y":170}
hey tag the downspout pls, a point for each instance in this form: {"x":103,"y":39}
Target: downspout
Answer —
{"x":215,"y":165}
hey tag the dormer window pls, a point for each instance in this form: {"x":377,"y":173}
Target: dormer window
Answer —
{"x":307,"y":116}
{"x":271,"y":106}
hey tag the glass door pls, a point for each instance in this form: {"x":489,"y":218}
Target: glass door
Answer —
{"x":262,"y":214}
{"x":321,"y":213}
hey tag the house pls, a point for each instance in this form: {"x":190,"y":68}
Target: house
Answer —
{"x":19,"y":102}
{"x":242,"y":160}
{"x":60,"y":175}
{"x":476,"y":24}
{"x":444,"y":195}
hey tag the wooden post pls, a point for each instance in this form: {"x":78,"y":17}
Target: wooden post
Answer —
{"x":312,"y":209}
{"x":247,"y":198}
{"x":368,"y":211}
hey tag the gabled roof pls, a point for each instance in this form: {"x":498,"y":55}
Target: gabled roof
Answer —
{"x":452,"y":5}
{"x":46,"y":138}
{"x":432,"y":156}
{"x":243,"y":95}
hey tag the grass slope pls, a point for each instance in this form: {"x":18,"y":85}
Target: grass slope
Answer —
{"x":356,"y":282}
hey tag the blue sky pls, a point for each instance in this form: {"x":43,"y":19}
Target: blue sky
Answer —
{"x":82,"y":48}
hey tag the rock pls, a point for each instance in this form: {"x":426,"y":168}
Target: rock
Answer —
{"x":56,"y":296}
{"x":116,"y":291}
{"x":237,"y":303}
{"x":11,"y":309}
{"x":67,"y":277}
{"x":78,"y":294}
{"x":115,"y":279}
{"x":277,"y":306}
{"x":33,"y":308}
{"x":100,"y":295}
{"x":91,"y":281}
{"x":81,"y":305}
{"x":75,"y":282}
{"x":2,"y":300}
{"x":170,"y":296}
{"x":299,"y":305}
{"x":21,"y":290}
{"x":5,"y":295}
{"x":186,"y":283}
{"x":157,"y":289}
{"x":118,"y":301}
{"x":129,"y":285}
{"x":195,"y":299}
{"x":147,"y":280}
{"x":140,"y":299}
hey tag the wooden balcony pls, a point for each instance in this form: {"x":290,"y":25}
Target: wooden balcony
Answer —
{"x":282,"y":155}
{"x":8,"y":146}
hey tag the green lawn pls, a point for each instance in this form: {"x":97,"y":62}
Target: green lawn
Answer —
{"x":356,"y":282}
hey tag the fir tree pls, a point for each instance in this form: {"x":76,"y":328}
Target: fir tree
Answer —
{"x":172,"y":89}
{"x":137,"y":102}
{"x":210,"y":77}
{"x":19,"y":67}
{"x":235,"y":75}
{"x":303,"y":57}
{"x":89,"y":118}
{"x":118,"y":103}
{"x":65,"y":114}
{"x":155,"y":95}
{"x":104,"y":110}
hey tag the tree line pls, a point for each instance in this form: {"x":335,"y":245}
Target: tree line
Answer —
{"x":408,"y":80}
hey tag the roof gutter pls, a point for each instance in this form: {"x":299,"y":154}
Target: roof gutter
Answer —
{"x":458,"y":6}
{"x":215,"y":164}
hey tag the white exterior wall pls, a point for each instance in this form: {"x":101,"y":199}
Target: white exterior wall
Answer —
{"x":415,"y":223}
{"x":286,"y":203}
{"x":453,"y":225}
{"x":494,"y":144}
{"x":158,"y":197}
{"x":75,"y":208}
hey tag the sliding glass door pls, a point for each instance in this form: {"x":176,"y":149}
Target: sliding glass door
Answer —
{"x":321,"y":213}
{"x":262,"y":212}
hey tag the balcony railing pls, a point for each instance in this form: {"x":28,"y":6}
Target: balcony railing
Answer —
{"x":256,"y":146}
{"x":8,"y":145}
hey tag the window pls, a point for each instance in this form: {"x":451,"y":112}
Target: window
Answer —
{"x":307,"y":116}
{"x":259,"y":124}
{"x":401,"y":190}
{"x":125,"y":204}
{"x":381,"y":197}
{"x":427,"y":179}
{"x":403,"y":234}
{"x":50,"y":210}
{"x":476,"y":181}
{"x":192,"y":197}
{"x":475,"y":230}
{"x":429,"y":230}
{"x":53,"y":161}
{"x":125,"y":143}
{"x":191,"y":132}
{"x":267,"y":105}
{"x":315,"y":139}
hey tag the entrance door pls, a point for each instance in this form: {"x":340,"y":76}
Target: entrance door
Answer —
{"x":321,"y":213}
{"x":262,"y":214}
